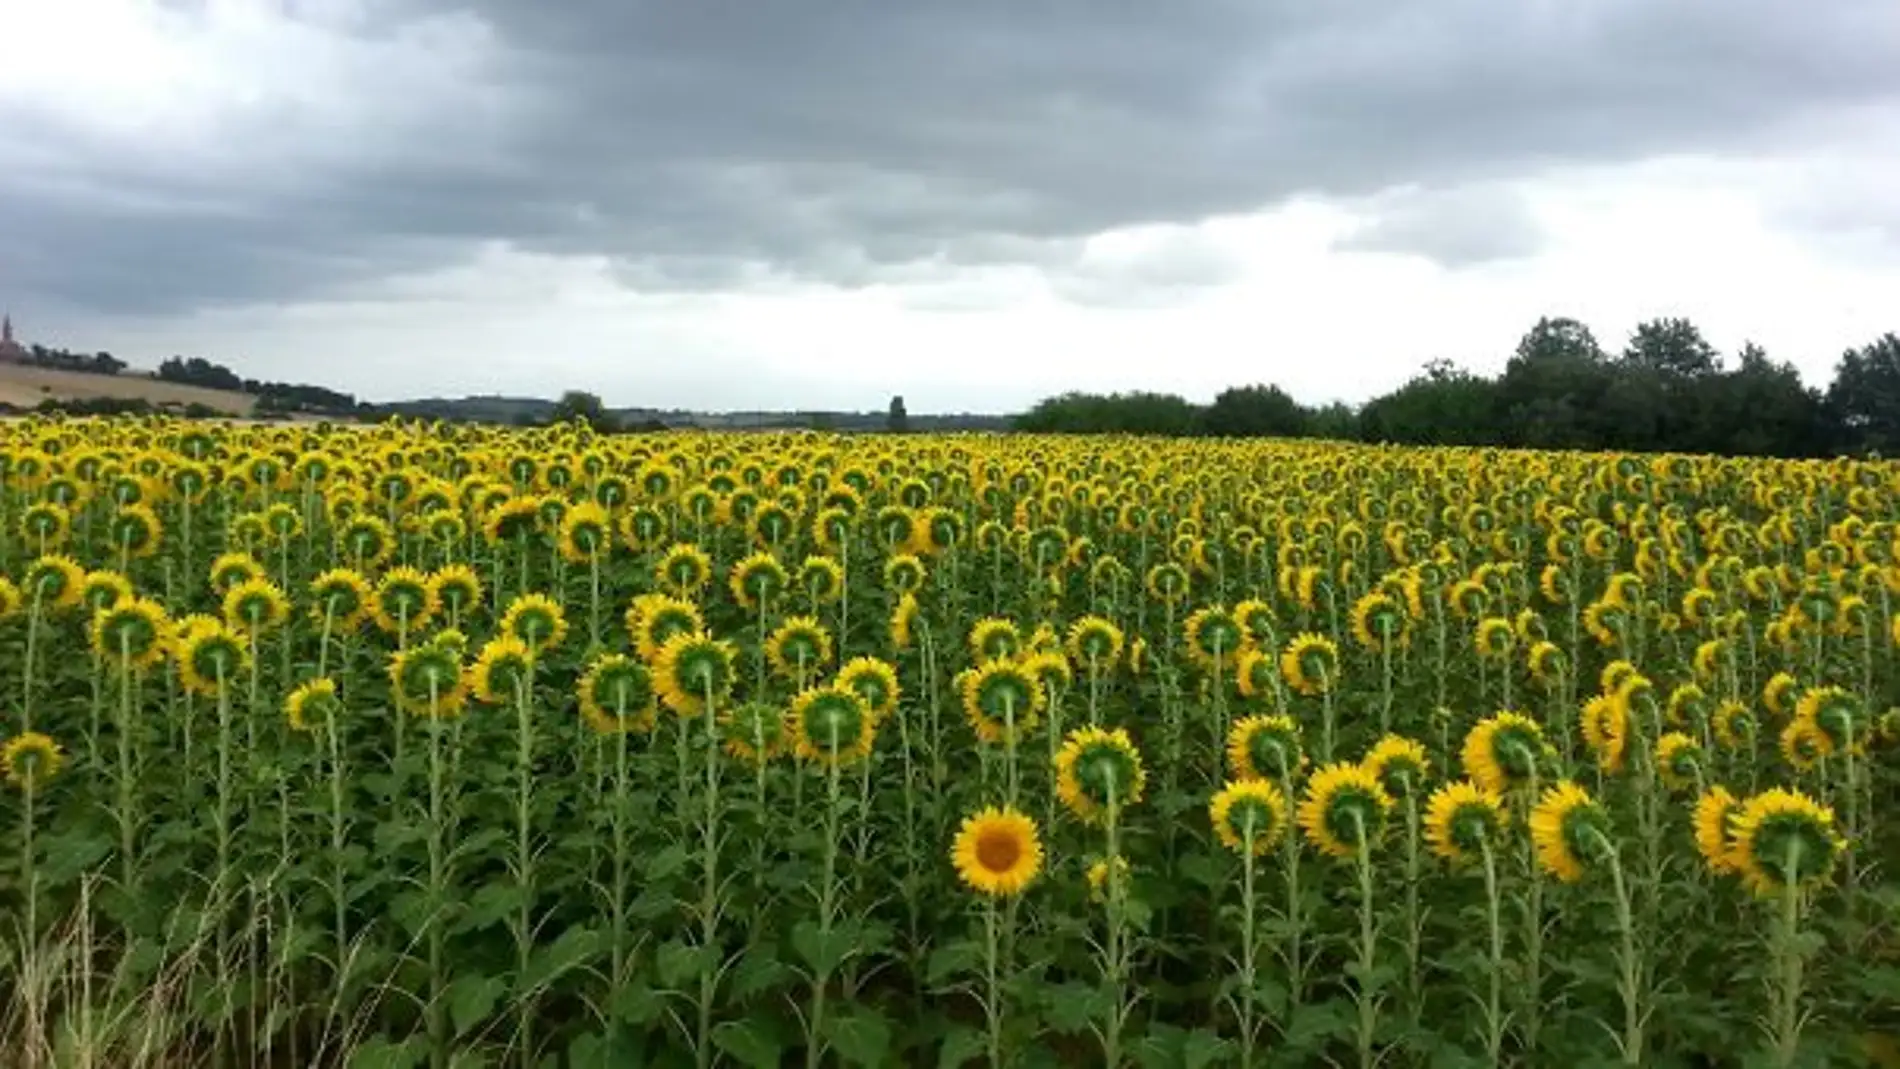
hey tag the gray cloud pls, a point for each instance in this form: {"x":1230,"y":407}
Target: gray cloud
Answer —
{"x":702,"y":144}
{"x":1459,"y":227}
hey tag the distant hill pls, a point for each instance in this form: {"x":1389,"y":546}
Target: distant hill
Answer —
{"x":25,"y":386}
{"x":530,"y":410}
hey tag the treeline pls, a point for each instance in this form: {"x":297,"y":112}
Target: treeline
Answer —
{"x":100,"y":363}
{"x":271,"y":396}
{"x":1667,"y":390}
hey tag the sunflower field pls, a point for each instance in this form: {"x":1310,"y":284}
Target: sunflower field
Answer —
{"x":428,"y":745}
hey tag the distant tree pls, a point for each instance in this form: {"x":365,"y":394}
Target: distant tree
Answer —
{"x":1118,"y":413}
{"x":898,"y":421}
{"x":1558,"y":338}
{"x":1442,"y":405}
{"x":1254,"y":412}
{"x":1865,"y":396}
{"x":1671,"y":347}
{"x":1552,"y":388}
{"x":1337,"y":422}
{"x":579,"y":406}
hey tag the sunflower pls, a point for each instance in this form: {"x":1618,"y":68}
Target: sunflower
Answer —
{"x":1836,"y":713}
{"x":502,"y":665}
{"x":1494,"y":639}
{"x":1782,"y":837}
{"x":537,"y":620}
{"x":1264,"y":747}
{"x":1778,"y":694}
{"x":1734,"y":725}
{"x":903,"y":574}
{"x":456,"y":589}
{"x":30,"y":759}
{"x":1214,"y":637}
{"x":1344,"y":809}
{"x":994,"y":639}
{"x":230,"y":569}
{"x":903,"y":619}
{"x":311,"y":703}
{"x":683,"y":570}
{"x":754,"y":732}
{"x":757,"y":581}
{"x":1248,"y":814}
{"x":997,"y":852}
{"x":1051,"y":669}
{"x":1554,"y":584}
{"x":822,"y":579}
{"x":692,"y":669}
{"x":10,"y":599}
{"x":1101,"y":872}
{"x":654,"y":619}
{"x":1257,"y":675}
{"x":1803,"y":744}
{"x":615,"y":694}
{"x":367,"y":540}
{"x":1568,"y":829}
{"x":1547,"y":663}
{"x":832,"y":725}
{"x":1379,"y":622}
{"x":797,"y":648}
{"x":255,"y":606}
{"x":999,"y":697}
{"x":342,"y":598}
{"x":586,"y":533}
{"x":1710,"y":657}
{"x":1256,"y":618}
{"x":1605,"y":726}
{"x":1502,"y":751}
{"x":1678,"y":760}
{"x":401,"y":604}
{"x":512,"y":520}
{"x":136,"y":530}
{"x":427,"y":679}
{"x":1715,"y":813}
{"x":134,"y":631}
{"x":1095,"y":644}
{"x":1098,"y":770}
{"x":1310,"y":664}
{"x":1605,"y":621}
{"x":54,"y":580}
{"x":1688,"y":706}
{"x":1168,"y":583}
{"x":46,"y":524}
{"x":210,"y":656}
{"x":875,"y":681}
{"x":1399,"y":764}
{"x":1461,"y":820}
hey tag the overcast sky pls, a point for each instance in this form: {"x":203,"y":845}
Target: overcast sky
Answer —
{"x":819,"y":203}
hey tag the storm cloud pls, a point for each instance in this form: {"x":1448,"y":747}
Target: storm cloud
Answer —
{"x":236,"y":153}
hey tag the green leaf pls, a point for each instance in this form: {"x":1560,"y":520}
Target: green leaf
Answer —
{"x":492,"y":903}
{"x":638,"y":1004}
{"x":953,"y":959}
{"x":613,"y":1049}
{"x":667,"y":862}
{"x":472,"y":998}
{"x":962,"y":1044}
{"x":572,"y":949}
{"x":70,"y":856}
{"x":678,"y":963}
{"x":1203,"y":870}
{"x":1073,"y":1005}
{"x":758,"y":972}
{"x":380,"y":1053}
{"x":823,"y":950}
{"x":1169,"y":1047}
{"x":750,"y":1042}
{"x":860,"y":1035}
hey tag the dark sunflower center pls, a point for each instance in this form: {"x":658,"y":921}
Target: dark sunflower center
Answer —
{"x":998,"y":850}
